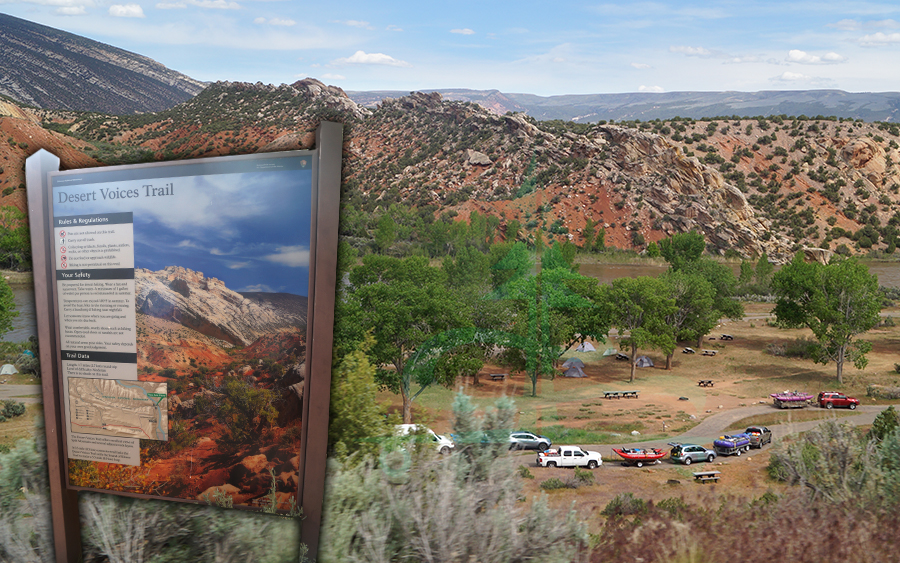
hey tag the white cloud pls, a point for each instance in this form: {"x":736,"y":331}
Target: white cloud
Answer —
{"x":215,"y":4}
{"x":788,"y":76}
{"x":853,"y":25}
{"x":61,"y":3}
{"x":293,"y":256}
{"x":465,"y":31}
{"x":802,"y":57}
{"x":71,"y":11}
{"x":691,"y":51}
{"x":654,"y":89}
{"x":257,"y":288}
{"x":187,"y":243}
{"x":879,"y":39}
{"x":846,"y":25}
{"x":238,"y":265}
{"x":641,"y":66}
{"x":744,"y":59}
{"x":126,"y":11}
{"x":393,"y":27}
{"x":355,"y":23}
{"x":363,"y":58}
{"x":329,"y":76}
{"x":275,"y":21}
{"x":171,"y":6}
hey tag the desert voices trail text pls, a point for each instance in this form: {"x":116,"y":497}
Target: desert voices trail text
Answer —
{"x":149,"y":190}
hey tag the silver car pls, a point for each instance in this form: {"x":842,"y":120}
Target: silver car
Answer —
{"x":689,"y":453}
{"x":529,"y":441}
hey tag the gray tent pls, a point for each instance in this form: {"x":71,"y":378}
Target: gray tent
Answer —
{"x":610,"y":352}
{"x":574,"y":371}
{"x":643,"y":362}
{"x":586,"y":347}
{"x":8,"y":369}
{"x":573,"y":362}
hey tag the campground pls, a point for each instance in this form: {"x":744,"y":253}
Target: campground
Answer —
{"x":671,"y":406}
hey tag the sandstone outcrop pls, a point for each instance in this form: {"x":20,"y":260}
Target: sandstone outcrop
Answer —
{"x":207,"y":306}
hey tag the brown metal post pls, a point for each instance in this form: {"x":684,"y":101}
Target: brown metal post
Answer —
{"x":63,"y":502}
{"x":323,"y":265}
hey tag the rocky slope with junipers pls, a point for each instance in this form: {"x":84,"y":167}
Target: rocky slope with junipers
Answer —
{"x":751,"y":185}
{"x":48,"y":68}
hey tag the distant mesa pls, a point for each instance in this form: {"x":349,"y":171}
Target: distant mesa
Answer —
{"x":207,"y":306}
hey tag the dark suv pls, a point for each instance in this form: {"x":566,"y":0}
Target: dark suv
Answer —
{"x":831,"y":399}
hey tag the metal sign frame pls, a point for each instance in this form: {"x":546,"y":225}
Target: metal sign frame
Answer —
{"x":323,"y":238}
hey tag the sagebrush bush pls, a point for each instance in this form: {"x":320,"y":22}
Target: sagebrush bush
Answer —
{"x":462,"y":507}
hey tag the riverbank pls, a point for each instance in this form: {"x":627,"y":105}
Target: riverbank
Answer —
{"x":15,"y":278}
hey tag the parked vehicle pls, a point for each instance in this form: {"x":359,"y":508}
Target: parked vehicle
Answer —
{"x":732,"y":445}
{"x":759,"y":436}
{"x":791,"y":399}
{"x":569,"y":456}
{"x":529,"y":441}
{"x":441,"y":443}
{"x":638,"y":457}
{"x":831,"y":399}
{"x":689,"y":453}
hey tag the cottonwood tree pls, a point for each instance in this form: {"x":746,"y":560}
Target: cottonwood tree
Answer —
{"x":681,"y":248}
{"x":838,"y":302}
{"x":404,"y":302}
{"x":638,"y":308}
{"x":694,"y":314}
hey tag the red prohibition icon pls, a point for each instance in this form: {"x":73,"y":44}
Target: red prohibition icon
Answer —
{"x":64,"y":265}
{"x":62,"y":234}
{"x":62,"y":249}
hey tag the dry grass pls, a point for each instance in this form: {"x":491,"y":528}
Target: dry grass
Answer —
{"x":20,"y":427}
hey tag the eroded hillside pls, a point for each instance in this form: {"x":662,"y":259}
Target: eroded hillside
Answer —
{"x":750,"y":185}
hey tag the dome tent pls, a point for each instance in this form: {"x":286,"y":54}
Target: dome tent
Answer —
{"x":643,"y":362}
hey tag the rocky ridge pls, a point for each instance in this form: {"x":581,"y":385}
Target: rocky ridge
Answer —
{"x":48,"y":68}
{"x":750,"y":185}
{"x":208,"y":307}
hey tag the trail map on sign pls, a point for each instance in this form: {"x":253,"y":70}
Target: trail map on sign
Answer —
{"x":115,"y":407}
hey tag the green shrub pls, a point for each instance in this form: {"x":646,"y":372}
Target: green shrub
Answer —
{"x":584,"y":476}
{"x":553,"y":483}
{"x":624,"y":504}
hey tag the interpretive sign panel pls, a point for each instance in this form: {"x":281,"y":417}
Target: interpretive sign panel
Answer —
{"x":182,"y":304}
{"x":185,"y":313}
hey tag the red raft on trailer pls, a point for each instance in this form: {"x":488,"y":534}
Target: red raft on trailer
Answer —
{"x":637,"y":456}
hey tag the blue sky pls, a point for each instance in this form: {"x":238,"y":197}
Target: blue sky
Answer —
{"x":249,"y":230}
{"x":540,"y":48}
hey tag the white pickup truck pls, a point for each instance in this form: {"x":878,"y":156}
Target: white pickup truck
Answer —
{"x":569,"y":456}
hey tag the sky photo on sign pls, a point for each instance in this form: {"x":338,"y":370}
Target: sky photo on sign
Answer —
{"x":569,"y":47}
{"x":250,"y":230}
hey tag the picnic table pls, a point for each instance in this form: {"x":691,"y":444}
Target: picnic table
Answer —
{"x":704,"y":476}
{"x":498,"y":376}
{"x":705,"y":383}
{"x":621,"y":356}
{"x":620,"y":394}
{"x":710,"y":352}
{"x":727,"y":337}
{"x":688,"y":350}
